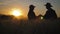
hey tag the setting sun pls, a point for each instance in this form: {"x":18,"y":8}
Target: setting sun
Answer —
{"x":16,"y":12}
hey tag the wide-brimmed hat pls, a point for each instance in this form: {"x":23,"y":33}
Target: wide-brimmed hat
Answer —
{"x":48,"y":5}
{"x":32,"y":6}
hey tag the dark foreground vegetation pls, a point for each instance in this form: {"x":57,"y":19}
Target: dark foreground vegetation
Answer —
{"x":38,"y":26}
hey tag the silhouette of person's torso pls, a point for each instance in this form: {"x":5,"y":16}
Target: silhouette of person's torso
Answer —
{"x":50,"y":14}
{"x":31,"y":15}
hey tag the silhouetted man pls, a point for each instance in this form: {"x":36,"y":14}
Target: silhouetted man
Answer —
{"x":31,"y":14}
{"x":50,"y":13}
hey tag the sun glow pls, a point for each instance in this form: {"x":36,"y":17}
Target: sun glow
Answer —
{"x":16,"y":12}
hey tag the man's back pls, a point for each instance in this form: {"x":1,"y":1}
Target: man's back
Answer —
{"x":50,"y":14}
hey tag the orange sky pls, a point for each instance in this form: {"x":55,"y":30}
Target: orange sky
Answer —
{"x":23,"y":5}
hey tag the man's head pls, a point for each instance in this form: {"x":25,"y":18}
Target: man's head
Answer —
{"x":32,"y":7}
{"x":48,"y":5}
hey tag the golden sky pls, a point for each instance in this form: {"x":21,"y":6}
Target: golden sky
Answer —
{"x":23,"y":5}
